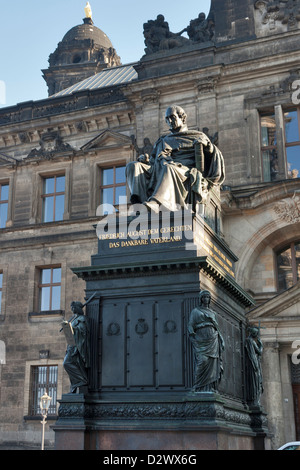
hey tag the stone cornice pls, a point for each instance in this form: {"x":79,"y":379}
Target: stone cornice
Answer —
{"x":149,"y":268}
{"x":258,"y":195}
{"x":34,"y":110}
{"x":272,"y":309}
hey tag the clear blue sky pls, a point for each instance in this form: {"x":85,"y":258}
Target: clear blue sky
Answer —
{"x":31,"y":29}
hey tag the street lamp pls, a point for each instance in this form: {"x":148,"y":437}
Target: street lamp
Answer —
{"x":44,"y":405}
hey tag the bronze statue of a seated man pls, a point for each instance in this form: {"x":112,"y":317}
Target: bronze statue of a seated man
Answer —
{"x":183,"y":164}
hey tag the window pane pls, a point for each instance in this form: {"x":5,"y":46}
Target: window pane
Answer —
{"x":46,"y":276}
{"x":120,"y":175}
{"x":108,"y":196}
{"x":293,"y":161}
{"x":268,"y":131}
{"x":55,"y":305}
{"x":45,"y":299}
{"x":0,"y":300}
{"x":44,"y":380}
{"x":49,"y":186}
{"x":107,"y":176}
{"x":3,"y":215}
{"x":4,"y":192}
{"x":285,"y":271}
{"x":56,"y":276}
{"x":59,"y":207}
{"x":48,"y":209}
{"x":291,"y":126}
{"x":120,"y":191}
{"x":270,"y":164}
{"x":60,"y":184}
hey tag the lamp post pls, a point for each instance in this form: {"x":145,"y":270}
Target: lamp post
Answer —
{"x":44,"y":405}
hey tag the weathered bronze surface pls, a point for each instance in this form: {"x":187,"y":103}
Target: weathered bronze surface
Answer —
{"x":208,"y":345}
{"x":182,"y":168}
{"x":254,"y":349}
{"x":77,"y":358}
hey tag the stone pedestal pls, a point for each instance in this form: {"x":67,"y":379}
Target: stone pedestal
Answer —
{"x":147,"y":276}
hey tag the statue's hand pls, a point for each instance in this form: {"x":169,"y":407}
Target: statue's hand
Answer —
{"x":209,"y":147}
{"x":144,"y":158}
{"x":204,"y":140}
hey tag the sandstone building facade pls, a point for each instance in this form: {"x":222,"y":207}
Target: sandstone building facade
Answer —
{"x":237,"y":75}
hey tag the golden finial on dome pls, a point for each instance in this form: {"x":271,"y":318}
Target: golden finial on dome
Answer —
{"x":88,"y":10}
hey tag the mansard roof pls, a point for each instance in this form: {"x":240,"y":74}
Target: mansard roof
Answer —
{"x":108,"y":77}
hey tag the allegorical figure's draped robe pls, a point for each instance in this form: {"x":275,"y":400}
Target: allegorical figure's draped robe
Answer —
{"x":208,"y":345}
{"x":77,"y":358}
{"x":254,"y":350}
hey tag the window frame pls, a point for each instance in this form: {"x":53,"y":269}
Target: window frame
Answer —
{"x":114,"y":185}
{"x":51,"y":285}
{"x":267,"y":148}
{"x":281,"y":140}
{"x":6,"y":201}
{"x":290,"y":246}
{"x":44,"y":196}
{"x":294,"y":143}
{"x":37,"y":389}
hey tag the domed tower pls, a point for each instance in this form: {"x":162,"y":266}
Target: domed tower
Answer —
{"x":84,"y":51}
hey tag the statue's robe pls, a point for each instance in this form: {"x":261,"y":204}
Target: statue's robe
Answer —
{"x":172,"y":177}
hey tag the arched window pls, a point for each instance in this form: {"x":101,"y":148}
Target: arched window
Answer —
{"x":76,"y":59}
{"x":288,"y":266}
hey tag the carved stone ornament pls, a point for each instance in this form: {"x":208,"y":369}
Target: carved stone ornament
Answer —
{"x":158,"y":36}
{"x":289,"y":209}
{"x":284,"y":11}
{"x":50,"y":144}
{"x":192,"y":411}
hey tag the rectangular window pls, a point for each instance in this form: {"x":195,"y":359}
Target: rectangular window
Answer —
{"x":53,"y":198}
{"x":1,"y":286}
{"x":113,"y":185}
{"x":50,"y":289}
{"x":269,"y":147}
{"x":285,"y":270}
{"x":292,"y":139}
{"x":43,"y":380}
{"x":288,"y":265}
{"x":4,"y":188}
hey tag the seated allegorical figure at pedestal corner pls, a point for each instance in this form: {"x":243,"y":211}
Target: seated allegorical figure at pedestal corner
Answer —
{"x":183,"y":167}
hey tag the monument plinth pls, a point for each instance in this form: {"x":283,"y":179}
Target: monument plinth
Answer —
{"x":166,"y":317}
{"x":140,"y":393}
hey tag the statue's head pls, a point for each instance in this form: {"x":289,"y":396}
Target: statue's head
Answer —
{"x":204,"y":297}
{"x":77,"y":308}
{"x":253,"y":331}
{"x":176,"y":118}
{"x":160,"y":18}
